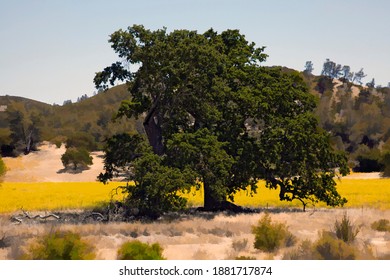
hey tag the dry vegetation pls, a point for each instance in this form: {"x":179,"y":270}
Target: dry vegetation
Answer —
{"x":195,"y":236}
{"x":207,"y":236}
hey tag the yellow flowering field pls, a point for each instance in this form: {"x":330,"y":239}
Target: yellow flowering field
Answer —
{"x":53,"y":195}
{"x":359,"y":193}
{"x":75,"y":195}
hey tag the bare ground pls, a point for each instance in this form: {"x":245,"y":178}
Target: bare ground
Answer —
{"x":45,"y":166}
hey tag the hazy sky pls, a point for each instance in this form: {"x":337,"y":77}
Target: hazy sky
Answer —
{"x":50,"y":50}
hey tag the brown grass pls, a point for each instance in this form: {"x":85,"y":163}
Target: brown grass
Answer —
{"x":206,"y":237}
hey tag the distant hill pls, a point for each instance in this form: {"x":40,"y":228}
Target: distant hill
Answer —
{"x":55,"y":123}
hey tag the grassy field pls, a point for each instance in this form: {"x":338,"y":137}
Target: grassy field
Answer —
{"x":373,"y":193}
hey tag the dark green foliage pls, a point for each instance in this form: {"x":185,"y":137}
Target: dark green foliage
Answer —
{"x":324,"y":84}
{"x":136,"y":250}
{"x":60,"y":245}
{"x":270,"y":236}
{"x":386,"y":164}
{"x":210,"y":110}
{"x":344,"y":230}
{"x":81,"y":140}
{"x":78,"y":157}
{"x":156,"y":185}
{"x":381,"y":225}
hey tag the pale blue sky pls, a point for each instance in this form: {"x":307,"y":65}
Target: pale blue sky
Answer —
{"x":50,"y":50}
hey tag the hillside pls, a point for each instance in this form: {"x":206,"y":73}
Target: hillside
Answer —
{"x":357,"y":118}
{"x":55,"y":123}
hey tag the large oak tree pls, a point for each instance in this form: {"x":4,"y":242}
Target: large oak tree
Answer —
{"x":214,"y":117}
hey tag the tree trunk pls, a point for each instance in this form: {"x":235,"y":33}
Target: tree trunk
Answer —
{"x":214,"y":203}
{"x":153,"y":129}
{"x":154,"y":133}
{"x":210,"y":201}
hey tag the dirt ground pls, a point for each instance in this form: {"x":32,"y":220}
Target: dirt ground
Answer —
{"x":200,"y":236}
{"x":45,"y":166}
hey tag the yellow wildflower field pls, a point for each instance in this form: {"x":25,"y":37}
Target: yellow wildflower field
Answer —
{"x":373,"y":193}
{"x":53,"y":195}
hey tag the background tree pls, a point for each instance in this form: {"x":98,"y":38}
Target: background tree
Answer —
{"x":77,"y":157}
{"x":308,"y":67}
{"x":359,"y":76}
{"x":210,"y":110}
{"x":3,"y":168}
{"x":371,"y":84}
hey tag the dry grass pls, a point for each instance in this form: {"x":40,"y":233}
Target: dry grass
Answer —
{"x":206,"y":237}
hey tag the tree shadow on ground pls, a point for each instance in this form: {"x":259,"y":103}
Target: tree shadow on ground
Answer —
{"x":71,"y":170}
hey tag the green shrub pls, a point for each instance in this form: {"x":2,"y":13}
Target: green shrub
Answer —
{"x":329,"y":247}
{"x":136,"y":250}
{"x":344,"y":229}
{"x":78,"y":157}
{"x":3,"y":168}
{"x":381,"y":225}
{"x":60,"y":245}
{"x":386,"y":164}
{"x":271,"y":236}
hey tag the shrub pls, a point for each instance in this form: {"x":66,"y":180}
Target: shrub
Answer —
{"x":344,"y":229}
{"x":270,"y":236}
{"x":60,"y":245}
{"x":136,"y":250}
{"x":381,"y":225}
{"x":79,"y":157}
{"x":240,"y":245}
{"x":328,"y":247}
{"x":245,"y":258}
{"x":303,"y":252}
{"x":3,"y":168}
{"x":386,"y":164}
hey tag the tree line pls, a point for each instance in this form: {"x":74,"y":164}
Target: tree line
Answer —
{"x":334,"y":70}
{"x":356,"y":116}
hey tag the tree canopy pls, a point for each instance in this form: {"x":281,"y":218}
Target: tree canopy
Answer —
{"x":212,"y":112}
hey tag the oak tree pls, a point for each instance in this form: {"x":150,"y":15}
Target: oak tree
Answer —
{"x":212,"y":112}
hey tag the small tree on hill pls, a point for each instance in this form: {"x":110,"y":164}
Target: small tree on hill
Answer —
{"x":308,"y":67}
{"x":76,"y":157}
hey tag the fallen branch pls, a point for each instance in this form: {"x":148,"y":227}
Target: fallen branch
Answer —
{"x":16,"y":220}
{"x":19,"y":218}
{"x":27,"y":215}
{"x":100,"y":217}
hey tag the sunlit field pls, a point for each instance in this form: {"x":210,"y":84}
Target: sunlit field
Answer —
{"x":53,"y":196}
{"x":373,"y":193}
